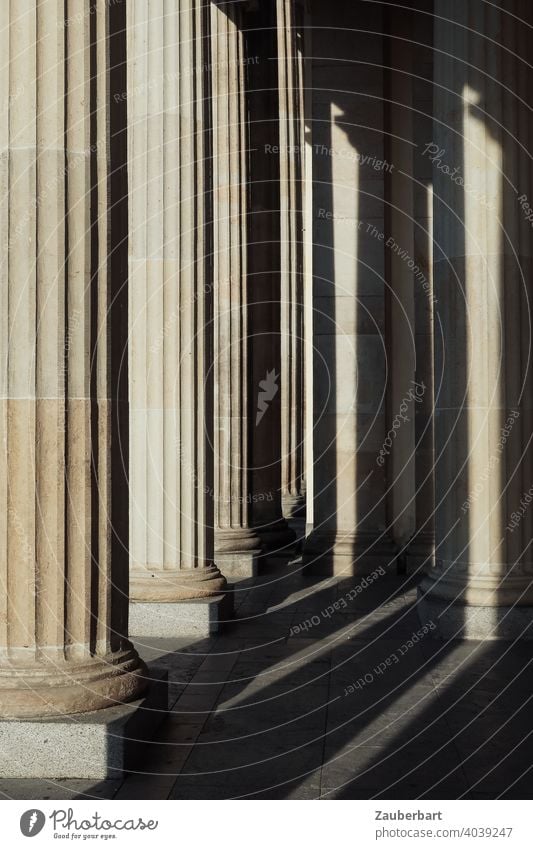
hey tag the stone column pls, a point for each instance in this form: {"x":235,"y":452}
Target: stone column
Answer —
{"x":171,"y":321}
{"x":237,"y":545}
{"x":292,"y":174}
{"x":404,"y":396}
{"x":421,"y":546}
{"x":308,"y":264}
{"x":63,"y":401}
{"x":264,"y":278}
{"x":407,"y":452}
{"x":350,"y":367}
{"x":481,"y":583}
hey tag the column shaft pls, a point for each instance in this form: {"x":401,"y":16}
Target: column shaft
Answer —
{"x":292,"y":174}
{"x":171,"y":321}
{"x":63,"y":420}
{"x":236,"y":544}
{"x":264,"y":277}
{"x":421,"y":547}
{"x":403,"y":397}
{"x":349,"y":357}
{"x":483,"y":285}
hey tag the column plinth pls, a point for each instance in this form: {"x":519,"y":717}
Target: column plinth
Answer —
{"x":336,"y":552}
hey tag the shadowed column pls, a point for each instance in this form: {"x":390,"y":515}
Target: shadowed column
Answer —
{"x":237,"y":545}
{"x":264,"y":279}
{"x":291,"y":163}
{"x":403,"y":394}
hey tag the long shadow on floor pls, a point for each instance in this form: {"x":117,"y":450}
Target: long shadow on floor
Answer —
{"x":292,"y":719}
{"x":349,"y":706}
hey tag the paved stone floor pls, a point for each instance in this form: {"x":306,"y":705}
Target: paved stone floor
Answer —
{"x":268,"y":710}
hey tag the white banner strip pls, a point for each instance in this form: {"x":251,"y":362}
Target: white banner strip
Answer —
{"x":230,"y":825}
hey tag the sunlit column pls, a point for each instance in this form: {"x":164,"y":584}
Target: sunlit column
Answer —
{"x":171,"y":296}
{"x":480,"y":585}
{"x":349,"y":425}
{"x":63,"y":497}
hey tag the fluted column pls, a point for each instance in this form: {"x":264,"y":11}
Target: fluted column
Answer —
{"x":237,"y":546}
{"x":291,"y":163}
{"x":264,"y":277}
{"x":421,"y":546}
{"x":350,"y":523}
{"x":64,"y":578}
{"x":481,"y":583}
{"x":171,"y":322}
{"x":399,"y":264}
{"x":408,"y":454}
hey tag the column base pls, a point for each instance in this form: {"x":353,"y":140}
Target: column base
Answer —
{"x":29,"y":691}
{"x":294,"y":506}
{"x":237,"y":552}
{"x":101,"y":744}
{"x":472,"y":622}
{"x":153,"y":584}
{"x":277,"y":538}
{"x":199,"y":617}
{"x":347,"y":554}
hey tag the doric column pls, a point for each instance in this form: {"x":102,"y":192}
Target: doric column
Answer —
{"x":292,"y":256}
{"x":407,"y":451}
{"x":349,"y":296}
{"x":421,"y":546}
{"x":481,"y":583}
{"x":403,"y":393}
{"x":171,"y":322}
{"x":264,"y":277}
{"x":237,"y":546}
{"x":63,"y":502}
